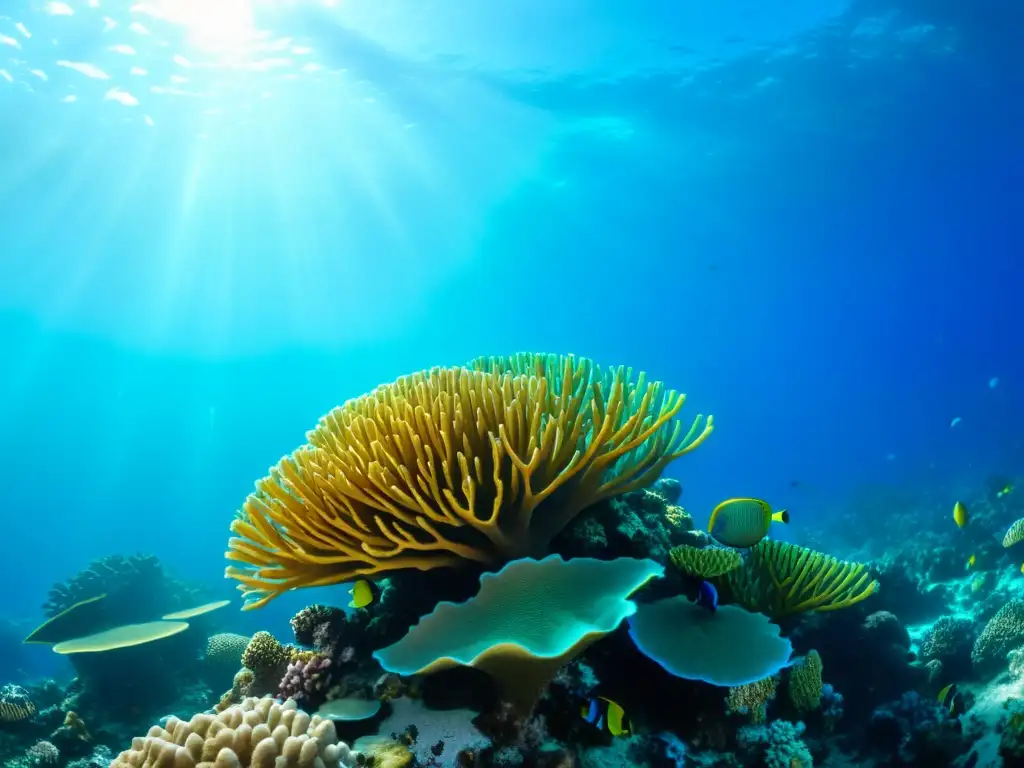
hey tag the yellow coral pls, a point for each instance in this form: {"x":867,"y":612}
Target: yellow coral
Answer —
{"x":241,"y":688}
{"x":258,"y":732}
{"x":805,"y":684}
{"x":14,"y":711}
{"x":705,"y":562}
{"x":483,"y":464}
{"x":679,"y":517}
{"x":265,"y":653}
{"x":782,"y":579}
{"x":752,"y":699}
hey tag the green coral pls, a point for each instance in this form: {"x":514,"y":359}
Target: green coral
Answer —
{"x":805,"y":684}
{"x":752,"y":699}
{"x":1003,"y":633}
{"x":705,"y":562}
{"x":781,"y":579}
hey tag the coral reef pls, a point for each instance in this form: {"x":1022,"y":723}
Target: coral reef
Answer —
{"x":534,"y":604}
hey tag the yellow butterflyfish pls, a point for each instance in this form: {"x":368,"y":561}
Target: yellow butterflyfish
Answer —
{"x":743,"y":522}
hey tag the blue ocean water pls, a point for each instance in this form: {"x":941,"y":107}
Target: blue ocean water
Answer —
{"x":216,"y":225}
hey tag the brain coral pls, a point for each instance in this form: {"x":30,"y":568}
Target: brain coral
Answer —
{"x":1003,"y":633}
{"x":258,"y":732}
{"x":485,"y":463}
{"x":226,"y":649}
{"x":949,"y":638}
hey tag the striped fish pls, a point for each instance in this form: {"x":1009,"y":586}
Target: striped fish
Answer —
{"x":742,"y":523}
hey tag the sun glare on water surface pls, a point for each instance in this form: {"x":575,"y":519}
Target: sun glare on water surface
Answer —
{"x":223,"y":26}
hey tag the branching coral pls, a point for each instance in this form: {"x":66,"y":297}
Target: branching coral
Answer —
{"x":483,"y":464}
{"x":307,"y":679}
{"x":782,"y":579}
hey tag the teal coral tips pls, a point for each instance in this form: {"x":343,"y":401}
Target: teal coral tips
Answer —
{"x":727,"y":648}
{"x":528,"y":619}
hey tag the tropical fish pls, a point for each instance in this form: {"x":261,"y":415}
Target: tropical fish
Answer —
{"x":605,"y":713}
{"x":707,"y":596}
{"x":1006,"y":490}
{"x":960,"y":516}
{"x":364,"y":593}
{"x":970,"y":562}
{"x":1022,"y":567}
{"x":742,"y":523}
{"x":956,"y":420}
{"x":950,"y":698}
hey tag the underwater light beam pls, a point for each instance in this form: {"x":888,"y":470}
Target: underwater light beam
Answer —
{"x":223,"y":26}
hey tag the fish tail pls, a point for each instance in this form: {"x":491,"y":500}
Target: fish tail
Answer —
{"x":782,"y":516}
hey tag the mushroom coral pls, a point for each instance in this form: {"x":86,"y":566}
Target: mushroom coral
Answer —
{"x":729,"y":647}
{"x":483,"y":464}
{"x":528,"y":619}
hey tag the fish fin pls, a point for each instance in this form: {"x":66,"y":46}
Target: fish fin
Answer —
{"x":782,"y":516}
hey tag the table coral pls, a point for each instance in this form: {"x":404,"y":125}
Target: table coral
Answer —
{"x":527,"y":620}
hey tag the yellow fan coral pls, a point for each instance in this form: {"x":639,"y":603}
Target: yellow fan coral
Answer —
{"x":486,"y":464}
{"x":782,"y":579}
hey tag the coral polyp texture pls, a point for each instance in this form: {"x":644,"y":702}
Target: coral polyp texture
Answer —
{"x":258,"y":732}
{"x":481,"y":464}
{"x":705,"y":562}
